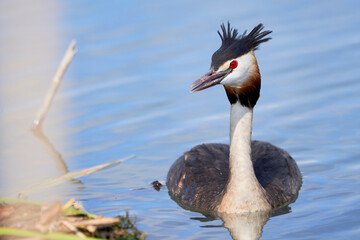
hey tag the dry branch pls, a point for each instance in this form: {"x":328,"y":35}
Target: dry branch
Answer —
{"x":95,"y":222}
{"x":70,"y":53}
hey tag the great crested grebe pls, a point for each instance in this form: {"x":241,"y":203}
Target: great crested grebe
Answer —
{"x":246,"y":176}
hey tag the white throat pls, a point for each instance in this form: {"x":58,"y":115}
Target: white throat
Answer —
{"x":243,"y":193}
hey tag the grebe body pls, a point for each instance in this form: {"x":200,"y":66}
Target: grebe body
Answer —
{"x":198,"y":179}
{"x":245,"y":176}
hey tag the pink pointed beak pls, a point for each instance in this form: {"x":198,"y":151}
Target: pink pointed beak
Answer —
{"x":209,"y":79}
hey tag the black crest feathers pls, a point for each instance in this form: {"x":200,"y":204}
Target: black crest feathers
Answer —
{"x":234,"y":45}
{"x":228,"y":35}
{"x":256,"y":36}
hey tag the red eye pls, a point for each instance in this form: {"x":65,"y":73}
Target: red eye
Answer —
{"x":233,"y":64}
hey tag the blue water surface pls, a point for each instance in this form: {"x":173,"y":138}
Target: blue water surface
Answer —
{"x":127,"y":93}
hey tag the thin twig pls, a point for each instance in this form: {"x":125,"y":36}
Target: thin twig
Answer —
{"x":95,"y":222}
{"x":68,"y":204}
{"x":73,"y":229}
{"x":70,"y":53}
{"x":72,"y":176}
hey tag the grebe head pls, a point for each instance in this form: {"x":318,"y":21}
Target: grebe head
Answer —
{"x":234,"y":65}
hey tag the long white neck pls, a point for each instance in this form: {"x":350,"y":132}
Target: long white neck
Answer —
{"x":243,"y":193}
